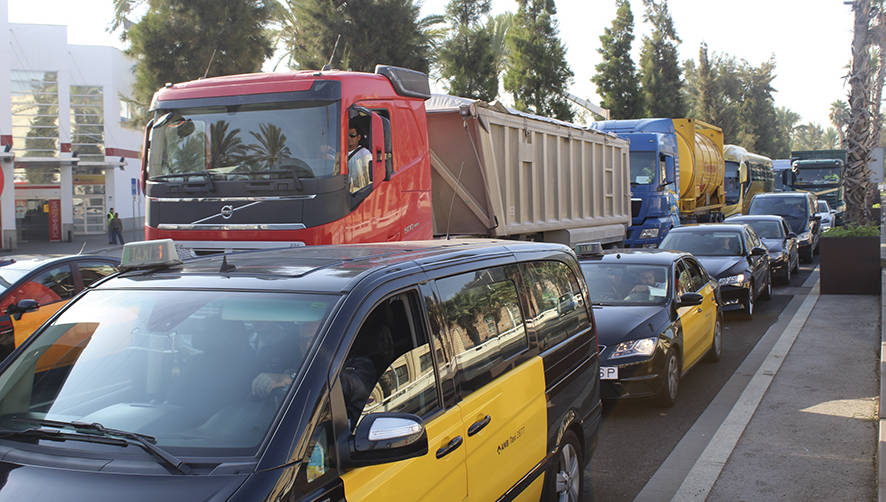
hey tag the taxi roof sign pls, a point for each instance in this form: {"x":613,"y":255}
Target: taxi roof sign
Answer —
{"x":589,"y":249}
{"x":149,"y":254}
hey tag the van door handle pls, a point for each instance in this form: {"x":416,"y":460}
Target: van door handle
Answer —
{"x":700,"y":310}
{"x":479,"y":425}
{"x":450,"y":447}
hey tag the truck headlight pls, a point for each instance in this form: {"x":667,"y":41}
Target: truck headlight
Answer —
{"x":649,"y":233}
{"x":641,"y":347}
{"x":733,"y":280}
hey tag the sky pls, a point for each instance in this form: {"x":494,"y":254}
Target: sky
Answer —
{"x":809,"y":39}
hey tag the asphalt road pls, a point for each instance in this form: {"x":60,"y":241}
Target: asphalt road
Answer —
{"x":636,"y":436}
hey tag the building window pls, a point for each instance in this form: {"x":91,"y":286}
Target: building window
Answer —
{"x":35,"y":113}
{"x":87,"y":122}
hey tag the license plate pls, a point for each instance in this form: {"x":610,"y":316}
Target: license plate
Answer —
{"x":608,"y":372}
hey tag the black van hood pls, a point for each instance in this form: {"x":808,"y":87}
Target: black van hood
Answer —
{"x":26,"y":482}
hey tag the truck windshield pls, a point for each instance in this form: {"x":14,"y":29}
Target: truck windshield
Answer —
{"x":643,"y":166}
{"x":184,"y":367}
{"x":247,"y":142}
{"x":733,"y":185}
{"x":817,"y":176}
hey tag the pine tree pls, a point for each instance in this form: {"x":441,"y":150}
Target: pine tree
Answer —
{"x":467,"y":59}
{"x":537,"y":72}
{"x":372,"y":32}
{"x":180,"y":40}
{"x":758,"y":108}
{"x":618,"y":82}
{"x":659,"y":68}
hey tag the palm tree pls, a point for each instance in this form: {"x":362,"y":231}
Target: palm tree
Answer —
{"x":840,"y":119}
{"x":227,"y":147}
{"x":271,"y":147}
{"x":856,"y":178}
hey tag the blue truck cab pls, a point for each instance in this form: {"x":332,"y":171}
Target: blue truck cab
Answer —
{"x":654,"y":183}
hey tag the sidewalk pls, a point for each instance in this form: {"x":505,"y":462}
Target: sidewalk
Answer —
{"x":89,"y":244}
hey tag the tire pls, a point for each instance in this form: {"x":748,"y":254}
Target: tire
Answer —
{"x":566,"y":483}
{"x":797,"y":267}
{"x":749,"y":303}
{"x":808,"y":255}
{"x":767,"y":290}
{"x":716,"y":351}
{"x":786,"y":277}
{"x":670,"y":387}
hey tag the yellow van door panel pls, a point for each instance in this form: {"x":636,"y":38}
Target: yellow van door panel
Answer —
{"x":514,"y":439}
{"x":425,"y":478}
{"x":533,"y":492}
{"x":30,"y":321}
{"x":690,"y":320}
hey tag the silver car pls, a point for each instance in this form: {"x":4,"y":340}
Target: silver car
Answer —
{"x":827,"y":214}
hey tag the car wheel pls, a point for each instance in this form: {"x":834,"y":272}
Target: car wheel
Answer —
{"x":716,"y":350}
{"x":797,"y":263}
{"x":670,"y":387}
{"x":787,"y":273}
{"x":767,"y":289}
{"x":749,"y":303}
{"x":567,"y":482}
{"x":807,"y":256}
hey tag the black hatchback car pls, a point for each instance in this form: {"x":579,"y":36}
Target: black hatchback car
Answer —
{"x":784,"y":254}
{"x":731,"y":253}
{"x":799,"y":209}
{"x":657,"y":315}
{"x":397,"y":371}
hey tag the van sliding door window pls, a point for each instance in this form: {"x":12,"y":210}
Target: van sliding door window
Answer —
{"x":556,"y":305}
{"x":485,"y":325}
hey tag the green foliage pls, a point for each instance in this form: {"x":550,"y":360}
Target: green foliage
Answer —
{"x":852,"y":231}
{"x":180,"y":40}
{"x":617,"y":79}
{"x":737,"y":97}
{"x":537,"y":72}
{"x":813,"y":137}
{"x":467,"y":58}
{"x":372,"y":32}
{"x":659,"y":67}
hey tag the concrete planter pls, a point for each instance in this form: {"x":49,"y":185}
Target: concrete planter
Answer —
{"x":850,"y":265}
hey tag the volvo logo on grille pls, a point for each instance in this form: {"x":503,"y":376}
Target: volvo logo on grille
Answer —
{"x":227,"y":212}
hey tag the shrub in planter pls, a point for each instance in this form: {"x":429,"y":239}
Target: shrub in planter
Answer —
{"x":850,"y":260}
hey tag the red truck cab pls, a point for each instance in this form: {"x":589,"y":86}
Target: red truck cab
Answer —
{"x":263,"y":159}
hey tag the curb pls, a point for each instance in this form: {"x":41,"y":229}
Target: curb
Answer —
{"x":881,"y":410}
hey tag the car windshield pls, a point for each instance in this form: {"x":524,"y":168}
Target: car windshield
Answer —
{"x":247,"y":142}
{"x":704,"y":243}
{"x":767,"y":229}
{"x":626,"y":283}
{"x":793,"y":209}
{"x":823,"y":207}
{"x":180,"y":366}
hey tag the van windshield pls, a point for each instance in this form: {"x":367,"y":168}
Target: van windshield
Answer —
{"x":184,"y":367}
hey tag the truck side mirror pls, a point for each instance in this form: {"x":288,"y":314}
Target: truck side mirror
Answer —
{"x":743,"y":176}
{"x":377,"y":133}
{"x":17,"y":309}
{"x":670,"y":170}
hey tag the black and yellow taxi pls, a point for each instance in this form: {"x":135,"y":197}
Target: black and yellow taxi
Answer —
{"x":657,"y":314}
{"x":731,"y":253}
{"x":33,"y":288}
{"x":442,"y":370}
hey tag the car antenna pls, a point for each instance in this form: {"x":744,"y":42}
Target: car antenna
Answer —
{"x":82,"y":248}
{"x":208,"y":65}
{"x":225,"y":266}
{"x":452,"y":201}
{"x":331,"y":56}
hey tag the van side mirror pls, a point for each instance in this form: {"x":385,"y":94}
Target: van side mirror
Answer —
{"x":689,"y":300}
{"x":758,"y":251}
{"x":816,"y":218}
{"x":387,"y":437}
{"x":670,"y":175}
{"x":26,"y":305}
{"x":792,"y":235}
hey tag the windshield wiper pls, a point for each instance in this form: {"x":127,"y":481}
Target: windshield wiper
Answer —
{"x":107,"y":436}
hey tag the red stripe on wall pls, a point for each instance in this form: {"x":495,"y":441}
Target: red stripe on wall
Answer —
{"x":122,"y":152}
{"x":5,"y":139}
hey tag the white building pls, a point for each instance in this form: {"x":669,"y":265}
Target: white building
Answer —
{"x":67,"y":149}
